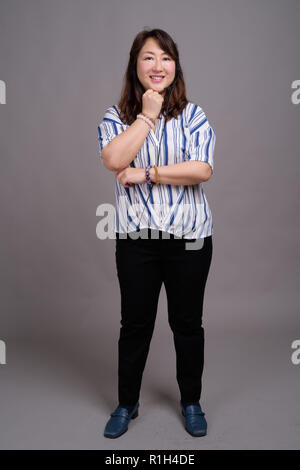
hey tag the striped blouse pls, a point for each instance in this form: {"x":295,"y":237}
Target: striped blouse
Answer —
{"x":181,"y":210}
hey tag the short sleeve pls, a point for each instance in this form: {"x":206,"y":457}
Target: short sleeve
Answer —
{"x":110,"y":127}
{"x":202,"y":136}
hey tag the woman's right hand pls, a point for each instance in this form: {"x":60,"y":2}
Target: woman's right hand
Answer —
{"x":152,"y":103}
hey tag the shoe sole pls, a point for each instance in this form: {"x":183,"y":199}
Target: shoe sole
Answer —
{"x":135,"y":415}
{"x":194,"y":435}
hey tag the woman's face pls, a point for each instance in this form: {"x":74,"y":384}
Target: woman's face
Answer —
{"x":152,"y":60}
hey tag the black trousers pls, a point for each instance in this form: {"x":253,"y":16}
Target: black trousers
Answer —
{"x":143,"y":264}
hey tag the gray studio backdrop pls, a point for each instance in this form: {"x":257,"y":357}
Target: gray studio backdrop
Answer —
{"x":62,"y":63}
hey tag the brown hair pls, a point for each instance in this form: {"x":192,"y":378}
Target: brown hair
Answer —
{"x":130,"y":103}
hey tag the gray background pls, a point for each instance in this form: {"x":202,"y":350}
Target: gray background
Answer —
{"x":63,"y":63}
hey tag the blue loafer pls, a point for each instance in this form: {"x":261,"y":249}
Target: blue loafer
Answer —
{"x":195,"y":423}
{"x":118,"y":423}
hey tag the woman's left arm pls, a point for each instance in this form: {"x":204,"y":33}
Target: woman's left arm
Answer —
{"x":184,"y":173}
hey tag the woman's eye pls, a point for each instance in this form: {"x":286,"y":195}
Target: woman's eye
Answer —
{"x":152,"y":58}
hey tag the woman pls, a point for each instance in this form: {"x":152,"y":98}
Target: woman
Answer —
{"x":160,"y":147}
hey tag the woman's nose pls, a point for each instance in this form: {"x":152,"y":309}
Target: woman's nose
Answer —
{"x":157,"y":67}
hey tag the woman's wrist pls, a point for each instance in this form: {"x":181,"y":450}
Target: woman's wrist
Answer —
{"x":149,"y":117}
{"x":146,"y":119}
{"x":152,"y":175}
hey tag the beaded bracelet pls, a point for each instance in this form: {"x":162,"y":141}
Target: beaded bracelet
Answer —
{"x":151,"y":119}
{"x":142,"y":116}
{"x":148,"y":180}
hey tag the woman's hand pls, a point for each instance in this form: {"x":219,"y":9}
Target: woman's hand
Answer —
{"x":130,"y":176}
{"x":152,"y":103}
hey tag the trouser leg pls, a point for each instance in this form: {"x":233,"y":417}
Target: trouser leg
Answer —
{"x":140,"y":278}
{"x":185,"y":276}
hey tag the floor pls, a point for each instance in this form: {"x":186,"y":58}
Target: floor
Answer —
{"x":58,"y":393}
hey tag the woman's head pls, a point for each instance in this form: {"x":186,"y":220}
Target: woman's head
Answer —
{"x":152,"y":60}
{"x":153,"y":52}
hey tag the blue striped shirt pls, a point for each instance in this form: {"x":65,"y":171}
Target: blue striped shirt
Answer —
{"x":182,"y":210}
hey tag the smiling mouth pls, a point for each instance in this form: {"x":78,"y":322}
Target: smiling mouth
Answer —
{"x":156,"y":78}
